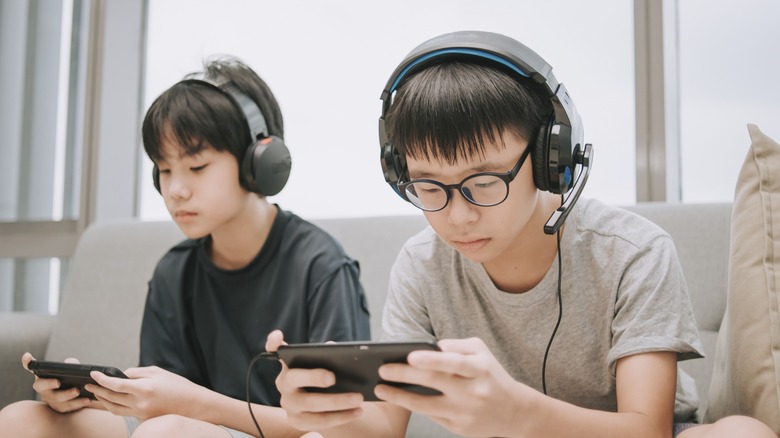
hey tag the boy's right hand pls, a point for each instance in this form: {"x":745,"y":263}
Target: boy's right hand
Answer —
{"x":61,"y":400}
{"x":310,"y":410}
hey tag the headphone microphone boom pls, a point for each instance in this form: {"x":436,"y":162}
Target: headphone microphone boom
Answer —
{"x":583,"y":158}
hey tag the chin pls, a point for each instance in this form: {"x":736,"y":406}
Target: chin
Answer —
{"x":480,"y":256}
{"x":193,"y":232}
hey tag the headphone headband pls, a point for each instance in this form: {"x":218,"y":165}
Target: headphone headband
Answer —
{"x":495,"y":47}
{"x":249,"y":109}
{"x":499,"y":49}
{"x":265,"y":165}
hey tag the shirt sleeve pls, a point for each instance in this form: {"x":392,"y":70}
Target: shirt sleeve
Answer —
{"x":405,"y":316}
{"x":337,"y":306}
{"x":653,"y":311}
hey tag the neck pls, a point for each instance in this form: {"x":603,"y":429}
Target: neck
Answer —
{"x":527,"y":261}
{"x":235,"y":244}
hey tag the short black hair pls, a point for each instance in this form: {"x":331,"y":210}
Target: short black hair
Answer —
{"x":196,"y":115}
{"x":448,"y":110}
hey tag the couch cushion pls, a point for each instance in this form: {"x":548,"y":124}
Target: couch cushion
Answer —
{"x":103,"y":299}
{"x":746,"y":377}
{"x":375,"y":243}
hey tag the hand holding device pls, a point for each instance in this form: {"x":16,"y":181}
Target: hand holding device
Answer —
{"x":355,"y":364}
{"x":72,"y":375}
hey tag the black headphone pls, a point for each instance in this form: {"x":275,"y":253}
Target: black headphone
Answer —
{"x":266,"y":165}
{"x":558,"y":146}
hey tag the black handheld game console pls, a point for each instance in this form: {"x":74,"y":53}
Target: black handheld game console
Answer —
{"x":72,"y":375}
{"x":355,"y":364}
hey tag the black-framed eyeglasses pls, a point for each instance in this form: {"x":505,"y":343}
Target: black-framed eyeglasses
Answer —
{"x":484,"y":189}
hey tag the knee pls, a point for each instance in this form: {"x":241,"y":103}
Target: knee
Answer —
{"x":27,"y":418}
{"x":165,"y":425}
{"x":739,"y":425}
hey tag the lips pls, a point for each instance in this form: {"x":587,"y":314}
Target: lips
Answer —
{"x":183,"y":214}
{"x":470,"y":244}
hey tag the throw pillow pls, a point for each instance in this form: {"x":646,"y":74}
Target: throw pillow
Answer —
{"x":746,"y":376}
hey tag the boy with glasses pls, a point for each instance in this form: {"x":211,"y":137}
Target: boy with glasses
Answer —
{"x":547,"y":328}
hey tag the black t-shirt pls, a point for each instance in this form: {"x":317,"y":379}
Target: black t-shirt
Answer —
{"x":206,"y":323}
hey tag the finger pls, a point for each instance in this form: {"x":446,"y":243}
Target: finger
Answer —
{"x":72,"y":360}
{"x":60,"y":396}
{"x":461,"y":364}
{"x":116,"y":408}
{"x":26,"y":359}
{"x":463,"y":346}
{"x":70,"y":405}
{"x":429,"y":405}
{"x":409,"y":375}
{"x":114,"y":384}
{"x":41,"y":385}
{"x":296,"y":378}
{"x":274,"y":340}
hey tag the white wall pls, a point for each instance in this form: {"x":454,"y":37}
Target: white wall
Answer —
{"x":327,"y":62}
{"x":729,"y":70}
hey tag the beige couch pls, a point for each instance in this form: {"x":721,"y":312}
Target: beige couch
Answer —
{"x":104,"y":294}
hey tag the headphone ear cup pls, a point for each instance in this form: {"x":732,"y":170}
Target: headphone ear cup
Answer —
{"x":156,"y":178}
{"x":540,"y":155}
{"x":266,"y":166}
{"x":393,"y":166}
{"x":552,"y":158}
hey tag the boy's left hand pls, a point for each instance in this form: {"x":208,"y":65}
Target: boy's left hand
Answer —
{"x":147,"y":392}
{"x":478,"y":396}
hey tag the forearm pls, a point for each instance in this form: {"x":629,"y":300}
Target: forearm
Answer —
{"x":219,"y":409}
{"x":552,"y":417}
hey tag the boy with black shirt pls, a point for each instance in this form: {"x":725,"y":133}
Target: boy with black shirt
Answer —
{"x":248,"y":267}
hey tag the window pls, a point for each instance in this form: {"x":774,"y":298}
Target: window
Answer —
{"x":71,"y":86}
{"x":729,"y":60}
{"x":41,"y":150}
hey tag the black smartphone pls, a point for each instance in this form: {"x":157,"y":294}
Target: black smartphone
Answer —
{"x":355,"y":364}
{"x":72,"y":375}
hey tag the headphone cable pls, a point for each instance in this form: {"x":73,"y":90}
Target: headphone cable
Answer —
{"x":560,"y":315}
{"x":248,"y":401}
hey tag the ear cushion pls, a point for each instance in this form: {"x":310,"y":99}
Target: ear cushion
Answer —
{"x":393,"y":166}
{"x":156,"y":178}
{"x":266,"y":166}
{"x":540,"y":156}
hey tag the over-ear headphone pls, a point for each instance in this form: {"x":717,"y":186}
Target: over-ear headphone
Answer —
{"x":265,"y":167}
{"x":558,"y":145}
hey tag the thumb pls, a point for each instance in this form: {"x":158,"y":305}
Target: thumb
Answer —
{"x":274,"y":340}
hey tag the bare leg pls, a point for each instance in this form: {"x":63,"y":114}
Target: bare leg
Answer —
{"x":730,"y":427}
{"x":178,"y":426}
{"x":35,"y":419}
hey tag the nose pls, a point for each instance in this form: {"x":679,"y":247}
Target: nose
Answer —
{"x":178,"y":187}
{"x":459,"y":210}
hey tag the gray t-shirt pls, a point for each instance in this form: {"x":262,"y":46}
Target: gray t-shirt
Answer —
{"x":623,"y":293}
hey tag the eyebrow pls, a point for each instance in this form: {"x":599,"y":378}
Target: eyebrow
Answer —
{"x":196,"y":156}
{"x":489,"y":166}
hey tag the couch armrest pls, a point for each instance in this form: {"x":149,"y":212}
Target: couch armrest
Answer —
{"x":20,"y":332}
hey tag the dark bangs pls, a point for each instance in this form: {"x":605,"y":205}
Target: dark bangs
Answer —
{"x":194,"y":117}
{"x":449,"y":111}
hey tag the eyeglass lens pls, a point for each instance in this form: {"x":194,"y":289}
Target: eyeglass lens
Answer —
{"x":483,"y":190}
